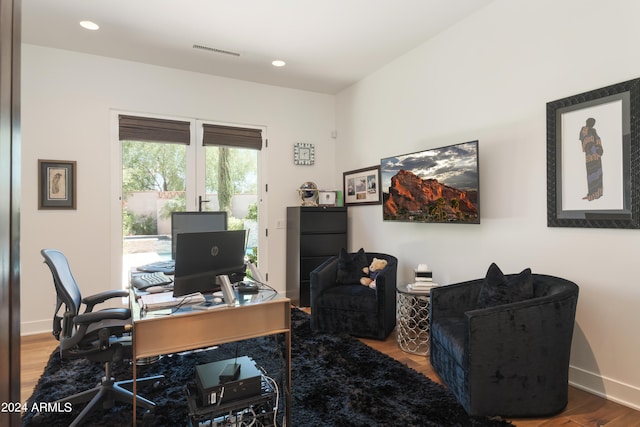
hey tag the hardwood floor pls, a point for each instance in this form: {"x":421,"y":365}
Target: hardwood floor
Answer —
{"x":584,"y":409}
{"x":35,"y":351}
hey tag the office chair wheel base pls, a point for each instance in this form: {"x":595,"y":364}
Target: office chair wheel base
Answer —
{"x":37,"y":417}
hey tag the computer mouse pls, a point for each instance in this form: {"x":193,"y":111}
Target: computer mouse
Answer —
{"x":217,"y":300}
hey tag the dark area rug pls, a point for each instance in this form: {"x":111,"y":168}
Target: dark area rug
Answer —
{"x":337,"y":381}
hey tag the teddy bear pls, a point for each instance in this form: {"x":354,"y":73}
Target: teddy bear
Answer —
{"x":372,"y":272}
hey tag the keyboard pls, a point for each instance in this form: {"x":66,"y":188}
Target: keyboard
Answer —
{"x":146,"y":280}
{"x":166,"y":267}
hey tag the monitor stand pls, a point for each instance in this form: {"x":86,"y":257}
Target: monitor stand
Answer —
{"x":227,"y":290}
{"x":255,"y":273}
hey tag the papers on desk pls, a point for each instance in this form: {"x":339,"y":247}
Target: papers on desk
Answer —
{"x":167,"y":300}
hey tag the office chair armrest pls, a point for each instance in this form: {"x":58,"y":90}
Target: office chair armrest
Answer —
{"x":106,"y":314}
{"x":92,"y":300}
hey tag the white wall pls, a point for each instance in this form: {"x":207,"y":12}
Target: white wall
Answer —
{"x":67,"y":102}
{"x":489,"y":78}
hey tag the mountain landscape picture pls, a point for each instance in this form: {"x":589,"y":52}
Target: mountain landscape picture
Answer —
{"x":436,"y":185}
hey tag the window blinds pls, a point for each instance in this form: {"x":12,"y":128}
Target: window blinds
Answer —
{"x":135,"y":128}
{"x":231,"y":136}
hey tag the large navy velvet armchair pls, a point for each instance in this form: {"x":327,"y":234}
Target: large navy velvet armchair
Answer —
{"x":508,"y":359}
{"x":353,"y":308}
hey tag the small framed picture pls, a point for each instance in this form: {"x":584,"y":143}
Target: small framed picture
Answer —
{"x":56,"y":184}
{"x":362,"y":186}
{"x":327,"y":198}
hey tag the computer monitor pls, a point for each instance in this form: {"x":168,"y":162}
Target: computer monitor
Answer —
{"x":202,"y":257}
{"x":195,"y":222}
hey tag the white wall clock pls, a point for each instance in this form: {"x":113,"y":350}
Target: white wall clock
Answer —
{"x":303,"y":154}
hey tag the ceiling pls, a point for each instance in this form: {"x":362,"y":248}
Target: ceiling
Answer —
{"x":327,"y":44}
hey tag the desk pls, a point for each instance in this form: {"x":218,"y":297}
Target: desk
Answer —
{"x":252,"y":316}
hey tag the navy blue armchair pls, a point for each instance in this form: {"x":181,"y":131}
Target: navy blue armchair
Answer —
{"x":510,"y":360}
{"x":353,"y":308}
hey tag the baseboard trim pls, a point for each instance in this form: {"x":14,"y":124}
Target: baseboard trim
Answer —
{"x":607,"y":388}
{"x":35,"y":327}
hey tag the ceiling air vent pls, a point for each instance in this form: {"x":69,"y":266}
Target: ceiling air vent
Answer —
{"x":213,"y":49}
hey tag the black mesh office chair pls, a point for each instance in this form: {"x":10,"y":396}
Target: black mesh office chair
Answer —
{"x":100,"y":336}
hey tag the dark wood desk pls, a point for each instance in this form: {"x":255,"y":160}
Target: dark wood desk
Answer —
{"x":257,"y":315}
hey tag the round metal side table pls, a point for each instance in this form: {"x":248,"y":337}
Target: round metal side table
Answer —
{"x":413,"y":320}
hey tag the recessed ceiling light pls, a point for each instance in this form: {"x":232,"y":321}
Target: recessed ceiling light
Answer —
{"x":278,"y":63}
{"x":89,"y":25}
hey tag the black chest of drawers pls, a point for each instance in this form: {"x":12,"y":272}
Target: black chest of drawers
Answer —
{"x":313,"y":235}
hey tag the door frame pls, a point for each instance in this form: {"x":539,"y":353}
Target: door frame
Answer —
{"x":193,"y":174}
